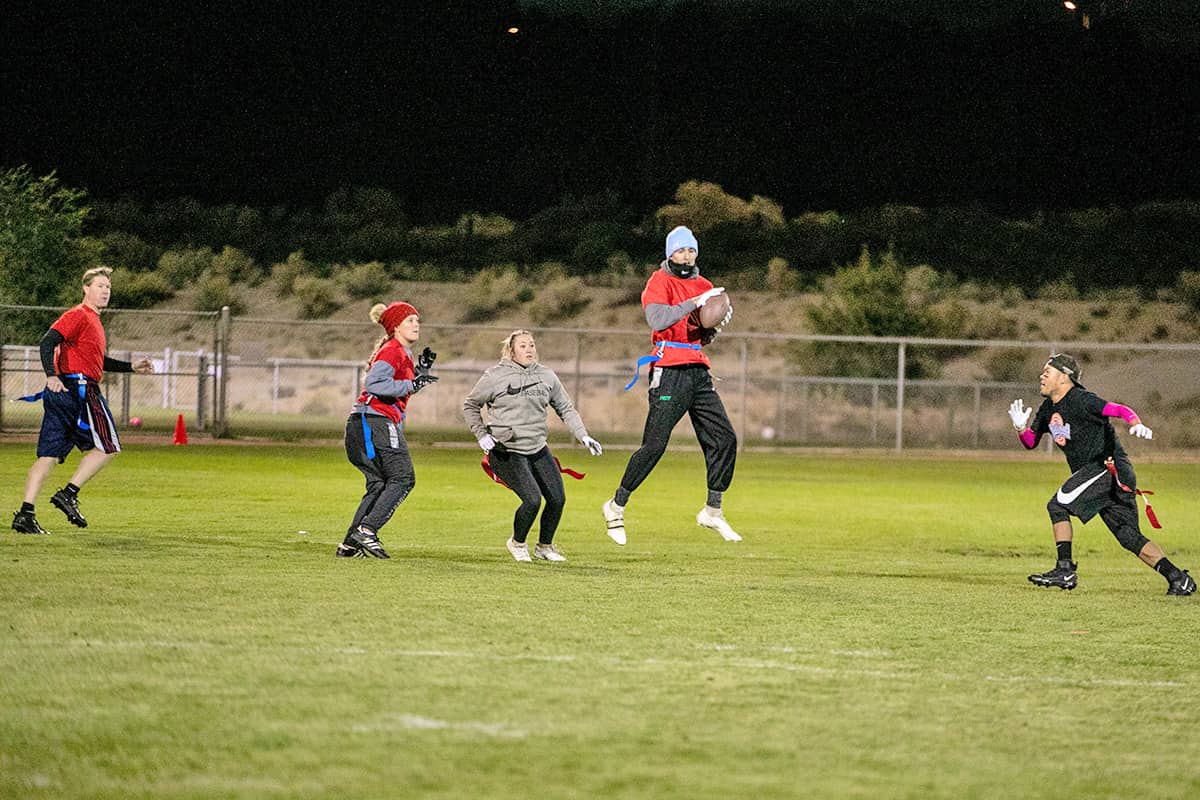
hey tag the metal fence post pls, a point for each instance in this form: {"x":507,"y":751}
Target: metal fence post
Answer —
{"x":201,"y":382}
{"x":220,"y":417}
{"x":900,"y":357}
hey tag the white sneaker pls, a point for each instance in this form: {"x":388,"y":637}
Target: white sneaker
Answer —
{"x":717,"y":522}
{"x":547,"y":552}
{"x":519,"y":550}
{"x":614,"y":516}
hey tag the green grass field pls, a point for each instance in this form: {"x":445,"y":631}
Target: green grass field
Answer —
{"x":873,"y":636}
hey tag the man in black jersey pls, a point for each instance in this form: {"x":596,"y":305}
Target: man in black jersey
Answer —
{"x":1102,"y":479}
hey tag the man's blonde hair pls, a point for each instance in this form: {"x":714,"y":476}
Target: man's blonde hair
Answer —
{"x":95,"y":272}
{"x":506,"y":346}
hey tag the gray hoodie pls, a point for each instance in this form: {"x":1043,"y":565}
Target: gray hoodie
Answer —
{"x":516,"y":398}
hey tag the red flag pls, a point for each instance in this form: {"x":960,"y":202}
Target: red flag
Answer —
{"x":491,"y":473}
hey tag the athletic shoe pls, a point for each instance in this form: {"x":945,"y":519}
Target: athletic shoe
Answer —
{"x":26,"y":522}
{"x":614,"y":517}
{"x":717,"y":522}
{"x":368,"y":542}
{"x":349,"y":551}
{"x":69,"y":505}
{"x":519,"y":550}
{"x":1184,"y":584}
{"x":547,"y":552}
{"x":1063,"y":576}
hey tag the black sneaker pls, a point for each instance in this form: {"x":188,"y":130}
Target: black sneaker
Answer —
{"x":1063,"y":576}
{"x":69,"y":505}
{"x":1184,"y":584}
{"x":368,"y":542}
{"x":349,"y":551}
{"x":26,"y":522}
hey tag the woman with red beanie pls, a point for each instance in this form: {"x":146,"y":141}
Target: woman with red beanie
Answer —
{"x":375,"y":434}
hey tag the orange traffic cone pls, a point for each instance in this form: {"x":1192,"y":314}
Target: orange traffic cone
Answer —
{"x":180,"y":431}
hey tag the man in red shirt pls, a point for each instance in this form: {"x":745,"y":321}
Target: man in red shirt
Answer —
{"x":680,"y":384}
{"x":75,"y":413}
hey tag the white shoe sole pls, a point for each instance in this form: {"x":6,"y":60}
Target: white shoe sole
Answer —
{"x":616,"y":534}
{"x":727,"y":533}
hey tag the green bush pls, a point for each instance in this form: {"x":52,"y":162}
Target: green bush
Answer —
{"x":237,"y":266}
{"x":1187,"y":288}
{"x":139,"y":290}
{"x":215,"y":291}
{"x":491,"y":291}
{"x":559,"y":299}
{"x":183,"y":267}
{"x":363,"y":280}
{"x":285,"y":273}
{"x":317,"y":296}
{"x":780,"y":277}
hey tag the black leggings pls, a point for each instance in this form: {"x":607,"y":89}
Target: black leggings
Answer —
{"x":389,"y":475}
{"x":532,"y":477}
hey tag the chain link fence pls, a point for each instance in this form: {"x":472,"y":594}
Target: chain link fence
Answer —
{"x":258,"y":376}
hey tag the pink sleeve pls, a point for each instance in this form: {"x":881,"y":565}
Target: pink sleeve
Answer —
{"x":1028,"y":438}
{"x":1118,"y":410}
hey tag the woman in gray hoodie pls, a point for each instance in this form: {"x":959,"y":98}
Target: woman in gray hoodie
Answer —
{"x":516,"y":393}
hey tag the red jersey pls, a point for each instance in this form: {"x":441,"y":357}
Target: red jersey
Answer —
{"x":83,"y":347}
{"x":393,"y":354}
{"x":666,"y":289}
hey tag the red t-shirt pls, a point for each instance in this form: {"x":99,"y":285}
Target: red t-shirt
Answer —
{"x":392,"y":353}
{"x":82,"y":350}
{"x":666,"y":289}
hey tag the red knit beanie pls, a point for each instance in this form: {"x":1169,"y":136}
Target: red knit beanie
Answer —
{"x":396,"y":313}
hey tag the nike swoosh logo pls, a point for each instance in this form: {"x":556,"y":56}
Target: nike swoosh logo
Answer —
{"x":1073,"y":495}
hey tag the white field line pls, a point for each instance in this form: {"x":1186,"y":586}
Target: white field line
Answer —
{"x":413,"y":722}
{"x":719,"y":660}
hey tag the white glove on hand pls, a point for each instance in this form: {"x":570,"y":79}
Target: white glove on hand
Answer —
{"x":592,"y":445}
{"x":1141,"y":431}
{"x":1019,"y":414}
{"x":487,"y":442}
{"x":701,"y":299}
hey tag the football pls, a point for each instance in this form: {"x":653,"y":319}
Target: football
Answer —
{"x":711,"y":313}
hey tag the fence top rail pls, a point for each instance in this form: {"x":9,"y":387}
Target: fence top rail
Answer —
{"x":1048,"y":345}
{"x":114,"y":310}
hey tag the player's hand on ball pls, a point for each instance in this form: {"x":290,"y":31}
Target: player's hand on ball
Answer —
{"x":487,"y":443}
{"x":1019,"y":414}
{"x":703,"y":298}
{"x":592,"y":445}
{"x":1141,"y":431}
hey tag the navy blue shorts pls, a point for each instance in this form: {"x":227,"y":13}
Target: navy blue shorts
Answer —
{"x":70,"y":421}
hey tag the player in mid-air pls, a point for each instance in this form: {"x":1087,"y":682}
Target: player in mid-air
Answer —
{"x":680,"y":384}
{"x":1102,"y":479}
{"x":375,"y":433}
{"x":74,"y":411}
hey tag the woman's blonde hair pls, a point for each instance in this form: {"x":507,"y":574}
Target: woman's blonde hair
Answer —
{"x":95,"y":272}
{"x":376,"y":314}
{"x":506,"y":346}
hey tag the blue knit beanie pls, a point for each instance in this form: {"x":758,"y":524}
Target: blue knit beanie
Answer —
{"x":681,"y":237}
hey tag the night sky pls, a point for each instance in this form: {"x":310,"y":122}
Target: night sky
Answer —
{"x":816,"y":104}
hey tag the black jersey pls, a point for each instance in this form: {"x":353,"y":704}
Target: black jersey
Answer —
{"x":1079,"y":428}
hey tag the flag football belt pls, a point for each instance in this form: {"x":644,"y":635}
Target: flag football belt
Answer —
{"x":486,"y":463}
{"x":653,"y":358}
{"x":1112,"y":468}
{"x":81,"y":384}
{"x":370,"y":445}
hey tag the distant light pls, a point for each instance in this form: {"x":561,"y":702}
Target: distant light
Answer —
{"x":1069,"y":6}
{"x":514,"y":29}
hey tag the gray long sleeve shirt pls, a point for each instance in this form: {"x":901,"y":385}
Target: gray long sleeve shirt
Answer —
{"x":516,"y":398}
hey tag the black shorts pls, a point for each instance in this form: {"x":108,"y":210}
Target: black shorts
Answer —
{"x":1091,"y":489}
{"x":70,"y":420}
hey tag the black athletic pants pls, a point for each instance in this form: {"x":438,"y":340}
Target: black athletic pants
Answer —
{"x":532,"y":478}
{"x":678,"y":391}
{"x":390,"y":475}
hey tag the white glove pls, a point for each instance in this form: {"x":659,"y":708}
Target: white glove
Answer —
{"x":487,"y":442}
{"x":1019,"y":414}
{"x":1141,"y":431}
{"x":592,"y":445}
{"x":701,"y":299}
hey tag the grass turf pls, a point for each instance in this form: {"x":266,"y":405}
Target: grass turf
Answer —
{"x":874,"y":635}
